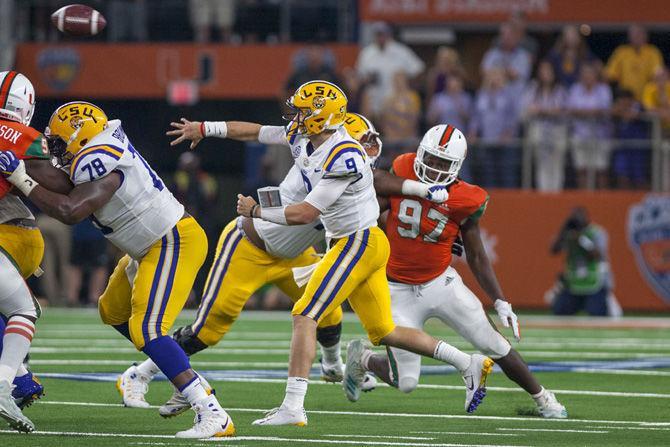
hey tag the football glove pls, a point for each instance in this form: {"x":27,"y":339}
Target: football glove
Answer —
{"x":437,"y":193}
{"x":457,"y":246}
{"x":9,"y":163}
{"x":14,"y":170}
{"x":508,"y":317}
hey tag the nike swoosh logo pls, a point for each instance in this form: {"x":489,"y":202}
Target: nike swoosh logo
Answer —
{"x":470,"y":385}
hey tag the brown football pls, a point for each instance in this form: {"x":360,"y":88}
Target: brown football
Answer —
{"x":78,"y":20}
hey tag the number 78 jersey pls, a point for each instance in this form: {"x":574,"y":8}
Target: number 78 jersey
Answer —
{"x":142,"y":210}
{"x":421,"y":232}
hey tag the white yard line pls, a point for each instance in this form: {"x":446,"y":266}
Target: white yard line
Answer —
{"x":623,"y":372}
{"x":249,"y":438}
{"x":400,"y":415}
{"x":628,"y":428}
{"x":410,"y":438}
{"x":462,"y":433}
{"x":126,"y":362}
{"x":552,"y":430}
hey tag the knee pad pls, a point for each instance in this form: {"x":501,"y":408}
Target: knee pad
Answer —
{"x":188,"y":341}
{"x":329,"y":336}
{"x":407,"y":384}
{"x":497,"y":348}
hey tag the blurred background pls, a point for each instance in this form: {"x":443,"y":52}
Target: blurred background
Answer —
{"x":565,"y":103}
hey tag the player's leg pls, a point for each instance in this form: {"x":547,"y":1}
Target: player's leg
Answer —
{"x":342,"y":269}
{"x":17,"y":304}
{"x":461,"y":310}
{"x":161,"y":287}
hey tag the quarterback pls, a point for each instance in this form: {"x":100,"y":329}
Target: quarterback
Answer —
{"x":164,"y":246}
{"x":338,"y":177}
{"x":21,"y":245}
{"x":423,"y":285}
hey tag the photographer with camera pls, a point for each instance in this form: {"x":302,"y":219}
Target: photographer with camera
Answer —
{"x":586,"y":280}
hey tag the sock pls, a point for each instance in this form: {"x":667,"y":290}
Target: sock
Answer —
{"x":148,"y":368}
{"x":449,"y":354}
{"x":296,"y":389}
{"x":194,"y":391}
{"x":538,"y":395}
{"x":16,"y":342}
{"x":22,"y":371}
{"x":331,"y":355}
{"x":167,"y":355}
{"x":365,"y":359}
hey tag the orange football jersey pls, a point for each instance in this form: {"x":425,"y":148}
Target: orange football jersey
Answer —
{"x":25,"y":142}
{"x":421,"y":232}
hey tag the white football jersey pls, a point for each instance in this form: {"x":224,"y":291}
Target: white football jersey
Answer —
{"x":142,"y":210}
{"x":290,"y":241}
{"x":340,"y":156}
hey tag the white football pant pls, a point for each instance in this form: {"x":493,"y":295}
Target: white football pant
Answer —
{"x":448,"y":299}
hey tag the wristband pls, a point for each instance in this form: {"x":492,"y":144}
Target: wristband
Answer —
{"x":414,"y":188}
{"x":275,"y":215}
{"x":217,"y":129}
{"x":253,"y":210}
{"x":23,"y":182}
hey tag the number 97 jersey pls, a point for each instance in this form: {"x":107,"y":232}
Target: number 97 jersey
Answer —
{"x":421,"y":232}
{"x":142,"y":210}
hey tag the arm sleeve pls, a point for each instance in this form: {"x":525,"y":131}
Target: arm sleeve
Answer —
{"x":326,"y":192}
{"x":273,"y":135}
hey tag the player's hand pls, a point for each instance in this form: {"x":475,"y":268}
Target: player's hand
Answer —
{"x":186,"y":130}
{"x":245,"y":205}
{"x":508,"y":317}
{"x":457,"y":246}
{"x":437,"y":193}
{"x":9,"y":164}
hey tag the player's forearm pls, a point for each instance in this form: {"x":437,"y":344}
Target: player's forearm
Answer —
{"x":387,"y":184}
{"x":59,"y":206}
{"x":483,"y":270}
{"x":296,"y":214}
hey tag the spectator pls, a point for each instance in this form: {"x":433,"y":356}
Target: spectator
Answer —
{"x":378,"y":62}
{"x":453,"y":106}
{"x":632,"y":65}
{"x":546,"y":131}
{"x":208,"y":14}
{"x":88,"y":258}
{"x":656,"y":97}
{"x":587,"y":278}
{"x":127,"y":20}
{"x":568,"y":55}
{"x":631,"y":162}
{"x":400,"y":118}
{"x":518,"y":21}
{"x":447,"y":64}
{"x":57,"y":246}
{"x":196,"y":189}
{"x":589,"y":102}
{"x":509,"y":56}
{"x":495,"y":121}
{"x":313,"y":62}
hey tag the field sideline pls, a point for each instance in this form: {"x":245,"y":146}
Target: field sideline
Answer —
{"x":614,"y":380}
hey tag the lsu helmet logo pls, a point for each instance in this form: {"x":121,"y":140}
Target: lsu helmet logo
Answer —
{"x":649,"y":238}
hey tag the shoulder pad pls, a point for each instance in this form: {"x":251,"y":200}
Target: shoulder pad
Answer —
{"x":346,"y":158}
{"x":403,"y":165}
{"x":94,"y":162}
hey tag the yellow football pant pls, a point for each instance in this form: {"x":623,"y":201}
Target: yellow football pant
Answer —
{"x":149,"y":293}
{"x":240,"y":269}
{"x":23,"y":246}
{"x":354,"y":268}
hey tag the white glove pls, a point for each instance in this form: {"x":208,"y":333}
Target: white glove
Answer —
{"x":508,"y":317}
{"x":434,"y":193}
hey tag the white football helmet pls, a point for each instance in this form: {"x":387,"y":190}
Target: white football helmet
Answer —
{"x":17,"y":97}
{"x":440,"y":155}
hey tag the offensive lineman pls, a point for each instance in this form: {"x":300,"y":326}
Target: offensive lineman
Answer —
{"x":164,"y":246}
{"x":423,"y":285}
{"x":339,"y":181}
{"x":21,"y":246}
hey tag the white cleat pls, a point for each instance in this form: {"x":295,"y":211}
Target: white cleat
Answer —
{"x":354,"y":373}
{"x":178,"y":404}
{"x":211,"y":421}
{"x":133,"y":386}
{"x":475,"y":381}
{"x":333,"y":373}
{"x":369,"y":383}
{"x":283,"y":416}
{"x":10,"y":412}
{"x":549,"y":407}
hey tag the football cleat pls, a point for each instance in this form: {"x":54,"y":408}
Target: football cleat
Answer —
{"x":549,"y":407}
{"x":10,"y":412}
{"x":332,"y":372}
{"x":133,"y":386}
{"x":211,"y":421}
{"x":369,"y":383}
{"x":178,"y":404}
{"x":283,"y":416}
{"x":27,"y":389}
{"x":354,"y":374}
{"x":475,"y":381}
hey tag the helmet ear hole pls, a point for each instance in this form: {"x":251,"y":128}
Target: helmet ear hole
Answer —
{"x":83,"y":142}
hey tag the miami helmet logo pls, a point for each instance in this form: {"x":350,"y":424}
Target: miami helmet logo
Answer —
{"x":318,"y":102}
{"x":649,"y":239}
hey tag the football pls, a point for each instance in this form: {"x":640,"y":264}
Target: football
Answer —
{"x":78,"y":20}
